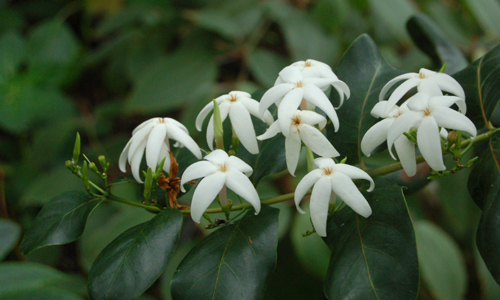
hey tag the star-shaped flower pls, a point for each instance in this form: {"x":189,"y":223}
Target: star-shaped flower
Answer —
{"x":327,"y":178}
{"x":427,"y":114}
{"x":292,"y":89}
{"x":239,"y":106}
{"x":219,"y":171}
{"x":302,"y":129}
{"x":152,"y":136}
{"x":377,"y":134}
{"x":426,"y":81}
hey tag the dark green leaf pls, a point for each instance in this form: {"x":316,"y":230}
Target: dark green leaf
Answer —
{"x":486,"y":13}
{"x":12,"y":53}
{"x":9,"y":235}
{"x":49,"y":293}
{"x":390,"y":17}
{"x":432,"y":41}
{"x":134,"y":260}
{"x":481,"y":83}
{"x":271,"y":158}
{"x":365,"y":72}
{"x":234,"y":262}
{"x":441,"y":262}
{"x":265,"y":65}
{"x":376,"y":257}
{"x":61,"y":221}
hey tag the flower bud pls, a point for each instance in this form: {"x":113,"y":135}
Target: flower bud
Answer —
{"x":452,"y":136}
{"x":76,"y":149}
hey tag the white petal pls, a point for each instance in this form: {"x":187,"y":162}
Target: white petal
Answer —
{"x":320,"y":200}
{"x":304,"y":185}
{"x":197,"y":170}
{"x":139,"y":137}
{"x":402,"y":124}
{"x":135,"y":161}
{"x":210,"y":133}
{"x":243,"y":127}
{"x":287,"y":109}
{"x":205,"y":193}
{"x":406,"y":154}
{"x":253,"y":108}
{"x":429,"y":143}
{"x":324,"y":163}
{"x":140,"y":126}
{"x":393,"y":81}
{"x":418,"y":102}
{"x":155,"y":140}
{"x":448,"y":84}
{"x":429,"y":87}
{"x":354,"y":173}
{"x":273,"y":130}
{"x":342,"y":89}
{"x":237,"y":163}
{"x":122,"y":161}
{"x":273,"y":95}
{"x":321,"y":83}
{"x":243,"y":187}
{"x":164,"y":154}
{"x":400,"y":91}
{"x":312,"y":118}
{"x":292,"y":150}
{"x":378,"y":111}
{"x":182,"y":137}
{"x":448,"y":101}
{"x":347,"y":190}
{"x":449,"y":118}
{"x":291,"y":74}
{"x":217,"y":157}
{"x":203,"y":114}
{"x":314,"y":95}
{"x":316,"y":141}
{"x":375,"y":136}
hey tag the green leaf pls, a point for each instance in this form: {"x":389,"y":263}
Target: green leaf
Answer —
{"x":390,"y":17}
{"x":441,"y":262}
{"x":432,"y":41}
{"x":365,"y":72}
{"x":271,"y":158}
{"x":234,"y":262}
{"x":45,"y":294}
{"x":173,"y":82}
{"x":12,"y":54}
{"x":61,"y":221}
{"x":376,"y":257}
{"x":22,"y":278}
{"x":486,"y":13}
{"x":9,"y":235}
{"x":134,"y":260}
{"x":265,"y":65}
{"x":481,"y":83}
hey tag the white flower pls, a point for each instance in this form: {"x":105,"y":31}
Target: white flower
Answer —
{"x":327,"y":178}
{"x":426,"y":81}
{"x":295,"y":87}
{"x":153,"y":136}
{"x":219,"y":171}
{"x":377,"y":134}
{"x":302,"y":129}
{"x":239,"y":106}
{"x":427,"y":114}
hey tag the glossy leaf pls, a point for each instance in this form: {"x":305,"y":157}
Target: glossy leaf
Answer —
{"x":61,"y":221}
{"x":9,"y":235}
{"x":271,"y":158}
{"x":433,"y":42}
{"x":441,"y":262}
{"x":376,"y":257}
{"x":481,"y":82}
{"x":134,"y":260}
{"x":365,"y":71}
{"x":233,"y":262}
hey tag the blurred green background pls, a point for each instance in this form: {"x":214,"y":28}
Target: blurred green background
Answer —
{"x":102,"y":67}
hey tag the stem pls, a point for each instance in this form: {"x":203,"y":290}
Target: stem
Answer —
{"x":125,"y":201}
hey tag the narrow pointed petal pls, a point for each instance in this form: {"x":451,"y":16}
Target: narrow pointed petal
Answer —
{"x":448,"y":101}
{"x":452,"y":119}
{"x":237,"y":163}
{"x":418,"y":102}
{"x":253,"y":108}
{"x":321,"y":83}
{"x":197,"y":170}
{"x":122,"y":161}
{"x":273,"y":130}
{"x":324,"y":163}
{"x":393,"y":81}
{"x":203,"y":114}
{"x":292,"y":151}
{"x":429,"y":143}
{"x":273,"y":95}
{"x":429,"y":87}
{"x":402,"y":124}
{"x":320,"y":200}
{"x":287,"y":109}
{"x":217,"y":157}
{"x":406,"y":154}
{"x":378,"y":111}
{"x":291,"y":74}
{"x":178,"y":124}
{"x":135,"y":161}
{"x":449,"y":84}
{"x":210,"y":133}
{"x":243,"y":127}
{"x":354,"y":173}
{"x":179,"y":135}
{"x":153,"y":146}
{"x":138,"y":138}
{"x":312,"y":118}
{"x":375,"y":136}
{"x":342,"y":89}
{"x":304,"y":185}
{"x":164,"y":154}
{"x":205,"y":193}
{"x":314,"y":95}
{"x":400,"y":91}
{"x":347,"y":190}
{"x":140,"y":126}
{"x":243,"y":187}
{"x":316,"y":141}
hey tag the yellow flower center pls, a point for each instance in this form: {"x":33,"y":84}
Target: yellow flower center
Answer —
{"x":427,"y":112}
{"x":296,"y":121}
{"x":233,"y":98}
{"x":161,"y":120}
{"x":307,"y":64}
{"x":421,"y":75}
{"x":223,"y":168}
{"x":298,"y":84}
{"x":327,"y":171}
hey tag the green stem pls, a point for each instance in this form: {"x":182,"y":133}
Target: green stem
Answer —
{"x":125,"y":201}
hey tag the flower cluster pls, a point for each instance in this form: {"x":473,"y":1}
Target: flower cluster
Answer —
{"x":428,"y":113}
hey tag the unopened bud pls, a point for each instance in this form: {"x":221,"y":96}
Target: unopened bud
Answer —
{"x":102,"y":161}
{"x":76,"y":149}
{"x":452,"y":136}
{"x":69,"y":165}
{"x":85,"y":175}
{"x":93,"y":167}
